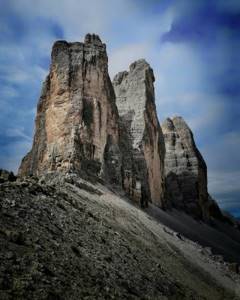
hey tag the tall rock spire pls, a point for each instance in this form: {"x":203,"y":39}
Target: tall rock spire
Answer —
{"x":186,"y":171}
{"x":87,"y":125}
{"x":135,"y":100}
{"x":78,"y":127}
{"x":77,"y":119}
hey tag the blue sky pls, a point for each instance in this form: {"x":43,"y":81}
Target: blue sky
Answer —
{"x":193,"y":47}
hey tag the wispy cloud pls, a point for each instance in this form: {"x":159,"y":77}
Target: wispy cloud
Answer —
{"x":11,"y":156}
{"x":18,"y":132}
{"x":121,"y":58}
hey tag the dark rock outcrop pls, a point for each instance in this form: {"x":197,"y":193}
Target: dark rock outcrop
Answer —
{"x":6,"y":176}
{"x":186,"y":171}
{"x":135,"y":100}
{"x":77,"y":119}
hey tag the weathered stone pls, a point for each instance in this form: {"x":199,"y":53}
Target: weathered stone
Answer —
{"x":6,"y":176}
{"x":135,"y":100}
{"x":79,"y":241}
{"x":77,"y":119}
{"x":185,"y":169}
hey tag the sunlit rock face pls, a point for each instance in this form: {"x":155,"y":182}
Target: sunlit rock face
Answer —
{"x":135,"y":100}
{"x":185,"y":169}
{"x":77,"y":119}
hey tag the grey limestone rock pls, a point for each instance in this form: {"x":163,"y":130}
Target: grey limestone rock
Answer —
{"x":186,"y":171}
{"x":135,"y":100}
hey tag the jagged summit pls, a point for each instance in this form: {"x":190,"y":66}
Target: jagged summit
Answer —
{"x":140,"y":63}
{"x":89,"y":38}
{"x":175,"y":120}
{"x":168,"y":124}
{"x":92,"y":39}
{"x":137,"y":65}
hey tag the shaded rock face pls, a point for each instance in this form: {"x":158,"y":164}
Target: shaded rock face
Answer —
{"x":135,"y":100}
{"x":77,"y":119}
{"x":185,"y":170}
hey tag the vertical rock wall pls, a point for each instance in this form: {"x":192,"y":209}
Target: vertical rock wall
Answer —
{"x":135,"y":100}
{"x":81,"y":127}
{"x":77,"y":119}
{"x":185,"y":169}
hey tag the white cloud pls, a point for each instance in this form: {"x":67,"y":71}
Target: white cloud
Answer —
{"x":222,"y":156}
{"x":12,"y":159}
{"x":76,"y":17}
{"x":128,"y":32}
{"x":120,"y":59}
{"x":222,"y":152}
{"x":8,"y":92}
{"x":210,"y":109}
{"x":18,"y":132}
{"x":19,"y":74}
{"x":221,"y":182}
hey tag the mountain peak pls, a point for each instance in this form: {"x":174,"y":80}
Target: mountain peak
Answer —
{"x":92,"y":39}
{"x":87,"y":125}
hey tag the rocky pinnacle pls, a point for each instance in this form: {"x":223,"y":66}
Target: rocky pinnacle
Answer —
{"x":186,"y":171}
{"x":76,"y":121}
{"x":135,"y":100}
{"x":78,"y":128}
{"x":86,"y":124}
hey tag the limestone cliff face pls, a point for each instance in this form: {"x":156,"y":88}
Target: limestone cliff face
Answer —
{"x":185,"y":170}
{"x":77,"y":119}
{"x":81,"y":126}
{"x":135,"y":100}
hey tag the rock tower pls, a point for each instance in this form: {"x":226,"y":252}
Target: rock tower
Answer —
{"x":135,"y":100}
{"x":77,"y":119}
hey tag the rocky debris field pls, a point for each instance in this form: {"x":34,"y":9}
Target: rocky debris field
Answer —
{"x":62,"y":237}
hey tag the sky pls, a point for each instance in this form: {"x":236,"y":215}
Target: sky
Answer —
{"x":192,"y":46}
